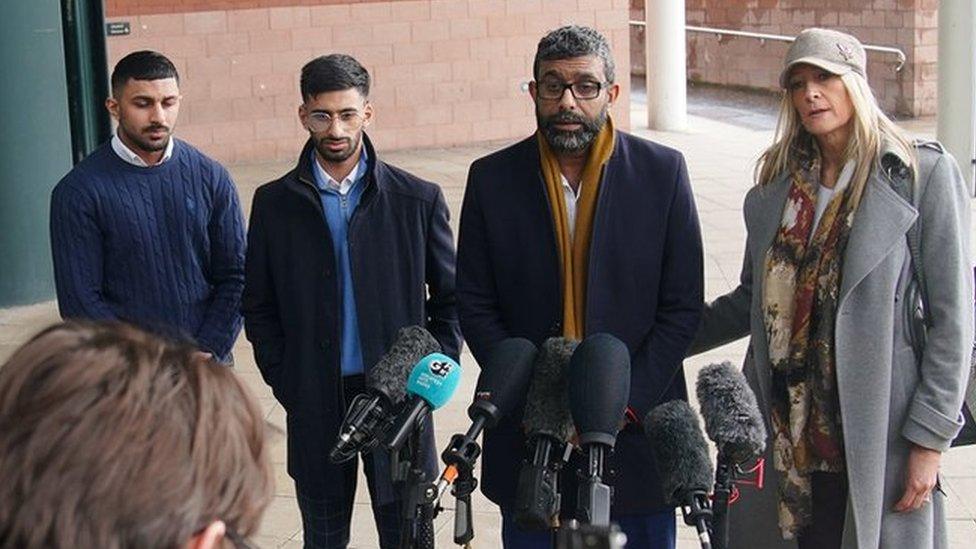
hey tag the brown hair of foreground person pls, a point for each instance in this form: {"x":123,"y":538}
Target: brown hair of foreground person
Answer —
{"x":113,"y":438}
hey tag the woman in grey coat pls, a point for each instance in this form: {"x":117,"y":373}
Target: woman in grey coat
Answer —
{"x":857,"y":424}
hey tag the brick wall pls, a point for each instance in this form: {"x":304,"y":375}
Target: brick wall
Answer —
{"x":910,"y":25}
{"x":445,"y":72}
{"x":143,"y":7}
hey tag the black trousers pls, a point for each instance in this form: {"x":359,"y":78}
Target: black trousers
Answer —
{"x":829,"y":491}
{"x":326,"y":523}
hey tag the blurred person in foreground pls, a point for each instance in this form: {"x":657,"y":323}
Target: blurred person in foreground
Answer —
{"x":113,"y":438}
{"x":858,"y":421}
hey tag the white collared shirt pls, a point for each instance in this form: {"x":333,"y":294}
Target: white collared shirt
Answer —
{"x":127,"y":154}
{"x":571,"y":197}
{"x":347,"y":182}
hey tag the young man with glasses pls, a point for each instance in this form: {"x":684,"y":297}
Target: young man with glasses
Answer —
{"x":583,"y":229}
{"x":343,"y":251}
{"x":147,"y":229}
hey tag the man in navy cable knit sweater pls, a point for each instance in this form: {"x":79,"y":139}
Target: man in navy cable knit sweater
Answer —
{"x":147,"y":229}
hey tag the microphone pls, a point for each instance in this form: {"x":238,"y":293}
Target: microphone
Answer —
{"x":732,"y":417}
{"x":681,"y":457}
{"x":502,"y":384}
{"x":735,"y":425}
{"x":500,"y":388}
{"x":431,"y":384}
{"x":599,"y":387}
{"x":548,"y":425}
{"x":370,"y":414}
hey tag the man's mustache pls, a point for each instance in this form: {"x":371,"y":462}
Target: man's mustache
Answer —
{"x":565,"y":118}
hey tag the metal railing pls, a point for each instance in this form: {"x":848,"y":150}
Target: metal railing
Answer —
{"x":763,"y":37}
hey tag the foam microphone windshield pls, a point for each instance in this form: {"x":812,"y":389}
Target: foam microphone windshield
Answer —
{"x":389,"y":375}
{"x":732,"y":418}
{"x":680,"y":451}
{"x":549,"y":426}
{"x":547,"y":401}
{"x":599,"y":387}
{"x":371,"y":414}
{"x":504,"y":379}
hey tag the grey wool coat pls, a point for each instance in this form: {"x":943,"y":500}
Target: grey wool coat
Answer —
{"x":887,"y":399}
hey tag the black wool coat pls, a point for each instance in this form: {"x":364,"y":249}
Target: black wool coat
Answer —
{"x":644,"y":287}
{"x":402,"y":255}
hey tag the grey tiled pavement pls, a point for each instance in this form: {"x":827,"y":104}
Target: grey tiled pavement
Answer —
{"x":721,"y":145}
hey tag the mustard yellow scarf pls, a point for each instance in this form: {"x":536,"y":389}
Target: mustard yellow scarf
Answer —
{"x":574,"y":251}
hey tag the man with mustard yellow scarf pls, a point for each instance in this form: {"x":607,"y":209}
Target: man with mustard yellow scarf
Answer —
{"x":577,"y":230}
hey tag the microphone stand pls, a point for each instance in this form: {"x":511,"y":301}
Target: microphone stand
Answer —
{"x":725,"y":475}
{"x":593,"y":506}
{"x":416,"y":530}
{"x":698,"y":514}
{"x":462,"y":453}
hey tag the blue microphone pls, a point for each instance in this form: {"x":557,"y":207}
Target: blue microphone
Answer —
{"x":430,"y":386}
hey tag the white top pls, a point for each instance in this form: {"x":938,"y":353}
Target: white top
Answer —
{"x":342,"y":187}
{"x":571,"y":197}
{"x":824,"y":195}
{"x":127,"y":154}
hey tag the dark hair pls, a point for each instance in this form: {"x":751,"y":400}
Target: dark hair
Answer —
{"x":142,"y":65}
{"x":574,"y":41}
{"x":113,"y":437}
{"x":334,"y":72}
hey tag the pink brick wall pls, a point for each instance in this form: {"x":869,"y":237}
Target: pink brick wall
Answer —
{"x":910,"y":25}
{"x":445,"y":72}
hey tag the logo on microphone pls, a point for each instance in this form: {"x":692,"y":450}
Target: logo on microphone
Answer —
{"x":440,"y":368}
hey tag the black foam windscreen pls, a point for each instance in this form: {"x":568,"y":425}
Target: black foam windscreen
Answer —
{"x":389,"y":375}
{"x":547,"y":401}
{"x":599,"y":388}
{"x":680,"y":450}
{"x":505,"y":375}
{"x":732,"y":417}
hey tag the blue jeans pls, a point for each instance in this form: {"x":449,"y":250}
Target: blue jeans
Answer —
{"x":651,"y":531}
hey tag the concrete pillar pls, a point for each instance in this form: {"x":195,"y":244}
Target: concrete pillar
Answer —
{"x":957,"y":83}
{"x":664,"y":50}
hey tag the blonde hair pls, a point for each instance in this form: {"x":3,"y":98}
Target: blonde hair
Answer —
{"x":872,"y":130}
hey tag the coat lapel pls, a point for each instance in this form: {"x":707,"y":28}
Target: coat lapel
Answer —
{"x":880,"y":224}
{"x":767,"y":208}
{"x":763,"y":212}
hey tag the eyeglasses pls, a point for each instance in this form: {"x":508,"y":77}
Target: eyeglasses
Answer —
{"x":321,"y":121}
{"x":554,"y":89}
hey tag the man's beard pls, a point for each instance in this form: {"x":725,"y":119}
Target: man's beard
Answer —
{"x":352,"y":145}
{"x":571,"y":141}
{"x":141,"y":139}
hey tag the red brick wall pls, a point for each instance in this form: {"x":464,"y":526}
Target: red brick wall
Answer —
{"x":445,"y":72}
{"x":910,"y":25}
{"x":118,"y":8}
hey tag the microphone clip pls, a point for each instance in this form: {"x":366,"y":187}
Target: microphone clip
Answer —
{"x":365,"y":424}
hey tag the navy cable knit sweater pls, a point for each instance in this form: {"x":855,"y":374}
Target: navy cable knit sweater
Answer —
{"x":160,"y":247}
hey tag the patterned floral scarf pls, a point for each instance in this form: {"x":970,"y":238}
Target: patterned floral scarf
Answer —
{"x":802,"y":286}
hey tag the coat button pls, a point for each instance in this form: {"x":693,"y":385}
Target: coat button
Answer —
{"x":327,"y":272}
{"x":557,"y":327}
{"x":323,"y":343}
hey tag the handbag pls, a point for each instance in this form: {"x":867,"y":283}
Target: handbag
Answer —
{"x":916,"y":302}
